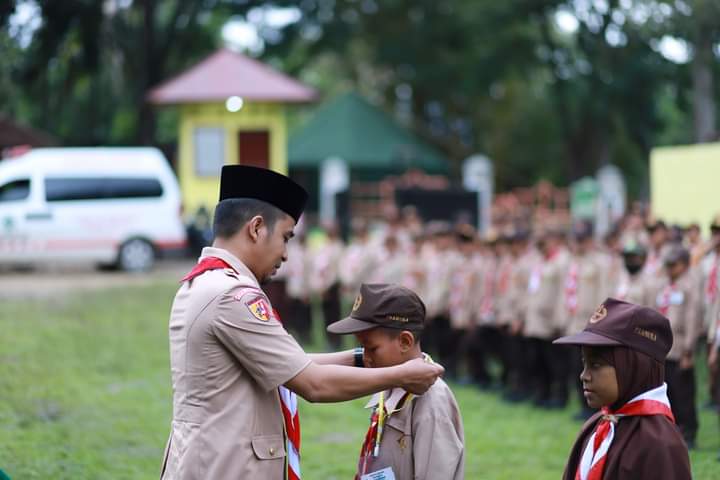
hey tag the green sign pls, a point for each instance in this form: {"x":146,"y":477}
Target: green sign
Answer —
{"x":583,"y":197}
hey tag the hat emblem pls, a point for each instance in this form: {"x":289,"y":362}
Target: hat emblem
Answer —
{"x":358,"y":302}
{"x":599,"y":314}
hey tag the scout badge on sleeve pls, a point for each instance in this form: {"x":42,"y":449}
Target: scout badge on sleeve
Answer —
{"x":259,"y":309}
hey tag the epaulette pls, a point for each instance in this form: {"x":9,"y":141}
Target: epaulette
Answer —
{"x":231,"y":273}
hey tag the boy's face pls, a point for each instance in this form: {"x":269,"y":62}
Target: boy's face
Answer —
{"x":383,"y":349}
{"x":676,"y":269}
{"x":600,"y":386}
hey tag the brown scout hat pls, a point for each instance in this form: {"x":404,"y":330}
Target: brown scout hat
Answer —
{"x":383,"y":305}
{"x":617,"y":323}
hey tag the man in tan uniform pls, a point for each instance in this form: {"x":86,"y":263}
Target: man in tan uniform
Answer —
{"x":410,"y":437}
{"x":230,"y":355}
{"x":543,"y":321}
{"x":678,"y":297}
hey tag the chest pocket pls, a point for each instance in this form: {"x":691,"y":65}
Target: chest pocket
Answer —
{"x":398,"y":443}
{"x":269,"y":447}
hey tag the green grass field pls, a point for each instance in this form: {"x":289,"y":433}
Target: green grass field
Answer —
{"x":85,"y":394}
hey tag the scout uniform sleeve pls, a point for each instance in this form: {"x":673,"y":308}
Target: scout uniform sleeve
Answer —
{"x":693,"y":314}
{"x":245,"y":324}
{"x":437,"y":447}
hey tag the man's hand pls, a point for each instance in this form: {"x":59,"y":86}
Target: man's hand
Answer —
{"x":419,"y":375}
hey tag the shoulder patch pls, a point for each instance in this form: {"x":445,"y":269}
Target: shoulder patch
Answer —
{"x":259,"y":308}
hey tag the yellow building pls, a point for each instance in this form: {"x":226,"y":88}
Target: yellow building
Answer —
{"x":684,"y":183}
{"x":232,"y":111}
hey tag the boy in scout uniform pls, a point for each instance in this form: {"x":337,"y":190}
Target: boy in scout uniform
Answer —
{"x":678,"y":297}
{"x":410,"y":437}
{"x":235,"y":370}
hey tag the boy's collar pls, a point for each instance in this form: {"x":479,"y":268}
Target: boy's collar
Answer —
{"x":391,"y":400}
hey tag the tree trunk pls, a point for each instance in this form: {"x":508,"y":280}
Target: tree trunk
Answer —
{"x":703,"y":97}
{"x":146,"y":113}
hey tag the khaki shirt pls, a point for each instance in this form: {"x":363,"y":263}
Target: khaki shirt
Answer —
{"x":357,"y":265}
{"x":504,"y":309}
{"x":590,"y":291}
{"x":439,"y":268}
{"x":633,"y":289}
{"x":324,"y":264}
{"x":711,"y":302}
{"x":424,"y":440}
{"x":545,"y":284}
{"x":297,"y":270}
{"x":684,"y":311}
{"x":464,"y":287}
{"x":227,"y":363}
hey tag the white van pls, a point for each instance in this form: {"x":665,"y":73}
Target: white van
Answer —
{"x":110,"y":206}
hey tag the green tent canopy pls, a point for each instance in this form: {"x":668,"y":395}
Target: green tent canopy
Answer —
{"x":362,"y":135}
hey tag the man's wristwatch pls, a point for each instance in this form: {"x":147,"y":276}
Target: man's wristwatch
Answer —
{"x":358,"y":354}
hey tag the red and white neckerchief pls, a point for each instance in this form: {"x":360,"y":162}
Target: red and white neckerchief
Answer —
{"x":571,"y":288}
{"x":711,"y":291}
{"x":371,"y":445}
{"x":288,"y":398}
{"x":592,"y":462}
{"x":663,"y":300}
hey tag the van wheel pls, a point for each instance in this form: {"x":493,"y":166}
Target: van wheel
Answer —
{"x":136,"y":255}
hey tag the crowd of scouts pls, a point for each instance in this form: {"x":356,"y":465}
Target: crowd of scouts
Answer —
{"x":496,"y":303}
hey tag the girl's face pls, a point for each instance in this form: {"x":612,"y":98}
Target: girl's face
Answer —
{"x":600,"y":386}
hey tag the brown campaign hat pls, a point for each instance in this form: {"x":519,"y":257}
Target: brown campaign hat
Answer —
{"x":243,"y":181}
{"x":618,"y":323}
{"x":383,"y":305}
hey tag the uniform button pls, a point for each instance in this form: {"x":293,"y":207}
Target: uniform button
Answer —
{"x":272,"y":451}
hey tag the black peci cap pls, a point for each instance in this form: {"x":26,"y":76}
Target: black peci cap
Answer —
{"x":383,"y":305}
{"x":242,"y":181}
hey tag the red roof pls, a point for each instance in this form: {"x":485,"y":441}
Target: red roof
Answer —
{"x":226,"y":73}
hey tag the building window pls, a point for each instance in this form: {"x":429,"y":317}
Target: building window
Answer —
{"x":209,"y":150}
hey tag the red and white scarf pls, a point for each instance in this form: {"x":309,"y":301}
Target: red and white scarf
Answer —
{"x":664,"y":298}
{"x":711,"y":291}
{"x":288,"y":398}
{"x":571,"y":289}
{"x":592,"y":462}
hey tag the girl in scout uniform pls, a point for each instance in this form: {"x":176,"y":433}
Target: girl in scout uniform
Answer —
{"x":634,"y":435}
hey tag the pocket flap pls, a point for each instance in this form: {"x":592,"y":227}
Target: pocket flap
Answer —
{"x":269,"y":447}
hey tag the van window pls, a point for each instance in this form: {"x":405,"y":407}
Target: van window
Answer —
{"x":15,"y":190}
{"x":99,"y":188}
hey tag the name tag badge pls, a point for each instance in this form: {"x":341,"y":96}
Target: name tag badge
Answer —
{"x":384,"y":474}
{"x":534,"y":282}
{"x":677,"y":298}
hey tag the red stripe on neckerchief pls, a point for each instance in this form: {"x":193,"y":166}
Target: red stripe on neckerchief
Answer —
{"x":291,"y":417}
{"x":664,"y":304}
{"x":571,"y":288}
{"x":592,"y":462}
{"x":204,"y":265}
{"x":711,"y":290}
